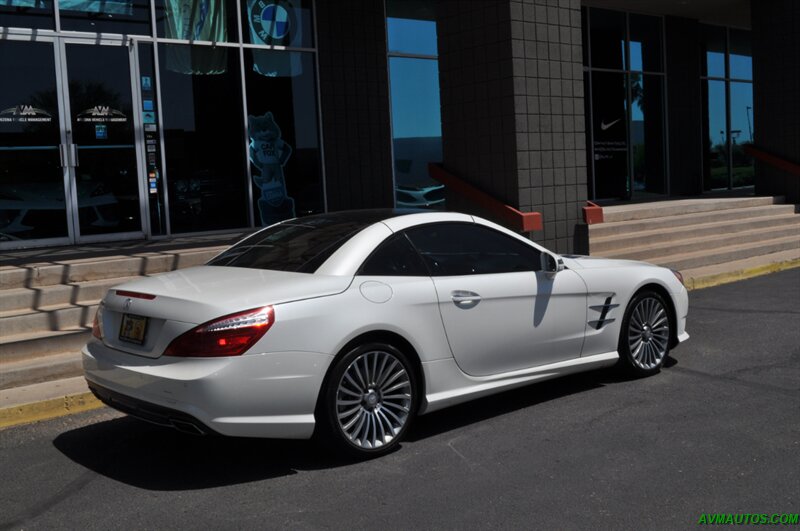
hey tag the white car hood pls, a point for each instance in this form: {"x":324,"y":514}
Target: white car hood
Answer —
{"x":591,"y":262}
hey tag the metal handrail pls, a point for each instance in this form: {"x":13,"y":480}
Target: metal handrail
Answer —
{"x":773,"y":160}
{"x":515,"y":219}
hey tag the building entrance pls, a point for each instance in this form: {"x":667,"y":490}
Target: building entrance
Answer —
{"x":69,"y":156}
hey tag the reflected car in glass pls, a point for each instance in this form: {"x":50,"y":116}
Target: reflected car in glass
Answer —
{"x":350,"y":324}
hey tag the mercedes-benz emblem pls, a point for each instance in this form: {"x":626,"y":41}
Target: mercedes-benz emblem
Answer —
{"x":127,"y":304}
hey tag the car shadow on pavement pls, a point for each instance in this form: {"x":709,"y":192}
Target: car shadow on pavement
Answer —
{"x":151,"y":457}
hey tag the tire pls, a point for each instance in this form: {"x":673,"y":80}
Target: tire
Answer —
{"x":369,"y":400}
{"x":644,"y":335}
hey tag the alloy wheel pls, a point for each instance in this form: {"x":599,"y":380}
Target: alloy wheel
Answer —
{"x":648,"y":333}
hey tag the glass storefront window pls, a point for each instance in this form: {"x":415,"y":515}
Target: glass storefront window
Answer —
{"x":741,"y":103}
{"x":27,"y":14}
{"x":197,"y":20}
{"x":608,"y":39}
{"x":203,"y":135}
{"x":645,"y":43}
{"x":131,"y":17}
{"x":741,"y":56}
{"x":647,"y":133}
{"x":416,"y":130}
{"x":283,"y":144}
{"x":411,"y":27}
{"x":32,"y":203}
{"x":715,"y":159}
{"x":712,"y":49}
{"x":278,"y":23}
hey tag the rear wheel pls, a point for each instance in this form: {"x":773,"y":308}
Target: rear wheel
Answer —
{"x":370,"y":399}
{"x":644,"y":337}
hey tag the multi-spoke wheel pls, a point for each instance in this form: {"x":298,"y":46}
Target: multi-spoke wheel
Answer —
{"x":370,"y":398}
{"x":644,"y":338}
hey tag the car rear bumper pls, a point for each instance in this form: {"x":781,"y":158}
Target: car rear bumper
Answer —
{"x":262,"y":395}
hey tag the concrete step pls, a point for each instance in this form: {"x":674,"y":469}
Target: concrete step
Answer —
{"x":709,"y":244}
{"x":712,"y":275}
{"x":638,"y":211}
{"x":89,"y":269}
{"x":601,"y":246}
{"x":738,"y":216}
{"x":49,"y":318}
{"x":12,"y":300}
{"x":697,"y":259}
{"x":19,"y":347}
{"x":40,"y":369}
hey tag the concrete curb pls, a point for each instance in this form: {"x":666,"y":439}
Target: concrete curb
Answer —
{"x":741,"y":274}
{"x":48,"y":409}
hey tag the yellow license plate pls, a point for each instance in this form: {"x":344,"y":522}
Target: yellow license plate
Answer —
{"x":133,"y":329}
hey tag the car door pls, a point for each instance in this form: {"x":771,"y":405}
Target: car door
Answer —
{"x":500,"y":312}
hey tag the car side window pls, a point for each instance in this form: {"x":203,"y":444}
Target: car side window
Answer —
{"x":471,"y":249}
{"x":394,"y":257}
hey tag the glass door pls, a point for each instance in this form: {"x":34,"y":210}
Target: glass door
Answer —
{"x":33,"y":197}
{"x":104,"y":179}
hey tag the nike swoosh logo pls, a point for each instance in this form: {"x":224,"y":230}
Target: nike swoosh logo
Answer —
{"x":604,"y":126}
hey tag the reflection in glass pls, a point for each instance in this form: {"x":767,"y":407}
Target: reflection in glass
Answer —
{"x":712,"y":48}
{"x":741,"y":134}
{"x":197,"y":20}
{"x":411,"y":26}
{"x":204,"y":145}
{"x":647,"y":133}
{"x":608,"y":39}
{"x":131,"y":17}
{"x":645,"y":43}
{"x":610,"y":135}
{"x":741,"y":56}
{"x":283,"y":142}
{"x":101,"y":106}
{"x":27,"y":14}
{"x":715,"y":159}
{"x":416,"y":130}
{"x":283,"y":23}
{"x":31,"y":178}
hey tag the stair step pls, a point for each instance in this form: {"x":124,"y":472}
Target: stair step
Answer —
{"x":696,"y":259}
{"x":60,"y":317}
{"x":739,"y":216}
{"x":710,"y":275}
{"x":682,"y":206}
{"x":708,"y":244}
{"x":13,"y":300}
{"x":600,"y":246}
{"x":88,"y":269}
{"x":35,"y":344}
{"x":41,"y":369}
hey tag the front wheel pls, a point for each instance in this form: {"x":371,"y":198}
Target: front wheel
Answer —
{"x":645,"y":332}
{"x":369,"y":400}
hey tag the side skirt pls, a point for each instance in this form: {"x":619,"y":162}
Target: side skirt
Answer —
{"x":448,"y":385}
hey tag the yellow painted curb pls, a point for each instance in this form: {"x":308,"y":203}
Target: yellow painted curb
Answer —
{"x":48,"y":409}
{"x":733,"y":276}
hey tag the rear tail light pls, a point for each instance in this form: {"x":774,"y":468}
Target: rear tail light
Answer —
{"x":97,"y":324}
{"x":231,"y":335}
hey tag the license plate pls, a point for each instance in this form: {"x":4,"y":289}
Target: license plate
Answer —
{"x":133,"y":329}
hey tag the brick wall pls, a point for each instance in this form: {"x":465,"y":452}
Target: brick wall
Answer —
{"x":511,"y":80}
{"x":354,"y":93}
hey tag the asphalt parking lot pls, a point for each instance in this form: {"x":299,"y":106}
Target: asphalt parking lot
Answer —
{"x":718,"y":431}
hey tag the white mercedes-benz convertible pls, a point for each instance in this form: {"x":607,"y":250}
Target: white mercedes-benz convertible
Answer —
{"x":350,"y":324}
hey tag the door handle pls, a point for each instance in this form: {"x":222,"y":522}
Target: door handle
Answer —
{"x":465,"y":299}
{"x":73,"y":149}
{"x":62,"y":155}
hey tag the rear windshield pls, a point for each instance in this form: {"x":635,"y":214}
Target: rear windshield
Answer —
{"x":300,"y":245}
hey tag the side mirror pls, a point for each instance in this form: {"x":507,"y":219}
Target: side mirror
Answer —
{"x":551,"y":263}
